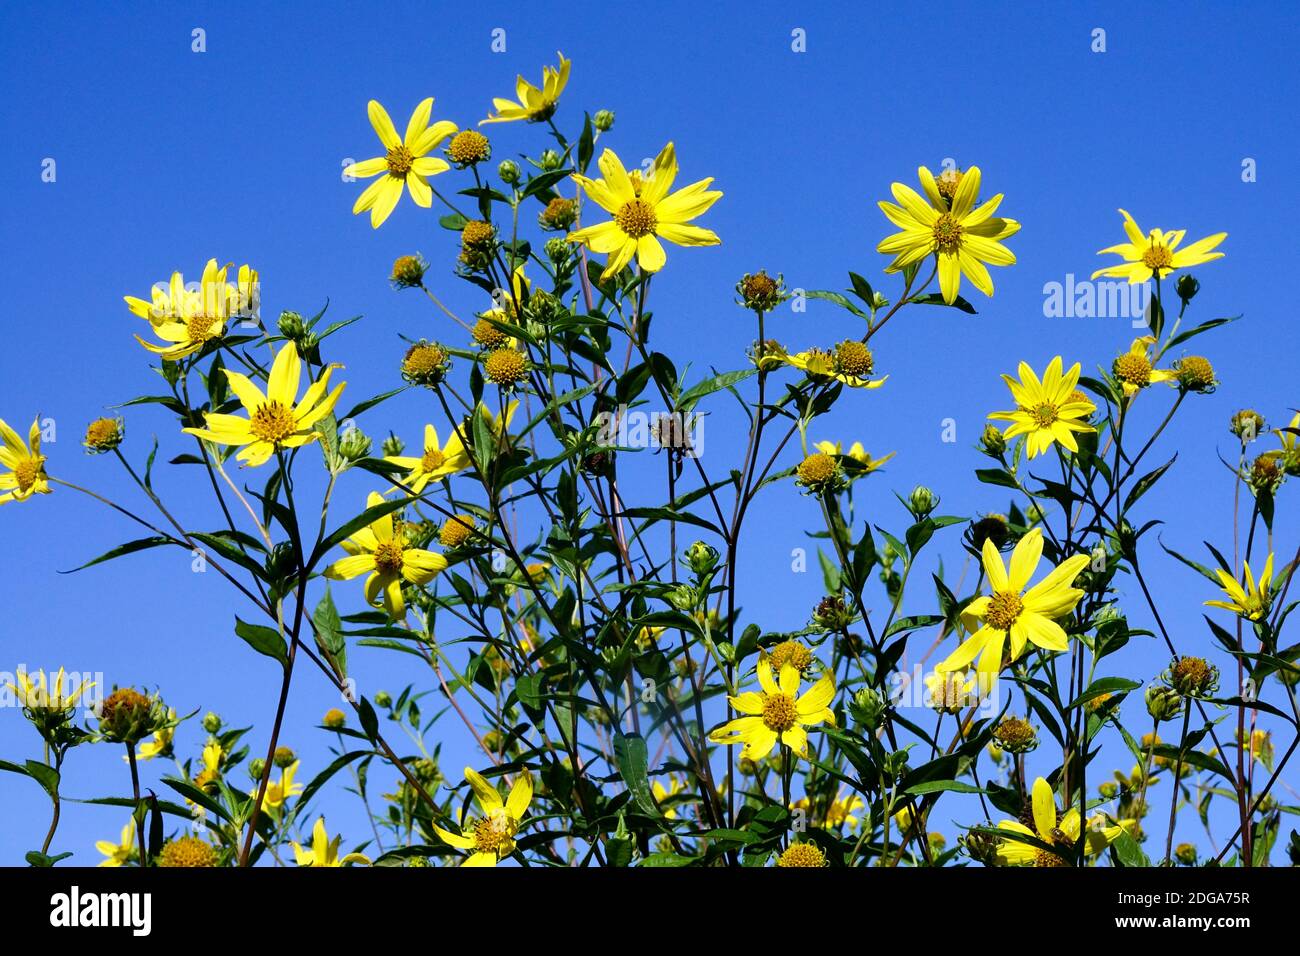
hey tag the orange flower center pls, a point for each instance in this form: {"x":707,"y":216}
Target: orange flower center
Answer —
{"x":400,"y":161}
{"x":947,"y":234}
{"x":26,"y":473}
{"x":1044,"y":414}
{"x":1004,"y":607}
{"x":432,"y":460}
{"x":779,"y":712}
{"x":273,"y":422}
{"x":199,"y":328}
{"x":494,"y":831}
{"x":636,"y":218}
{"x":388,"y":557}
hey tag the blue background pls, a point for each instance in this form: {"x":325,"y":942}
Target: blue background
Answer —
{"x":166,"y":157}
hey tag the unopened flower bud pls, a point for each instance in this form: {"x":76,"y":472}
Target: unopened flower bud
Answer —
{"x":284,"y":757}
{"x":922,"y":501}
{"x":408,"y":271}
{"x":549,"y":160}
{"x":392,"y":446}
{"x":868,"y":707}
{"x":508,"y":170}
{"x":212,"y":722}
{"x":334,"y":719}
{"x":991,"y":441}
{"x":603,"y":120}
{"x":1163,"y":703}
{"x":1187,"y":287}
{"x":1246,"y":424}
{"x":701,"y":558}
{"x":354,"y":444}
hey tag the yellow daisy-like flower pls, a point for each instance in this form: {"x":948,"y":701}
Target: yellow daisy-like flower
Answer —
{"x":856,"y":452}
{"x":1157,"y":252}
{"x":161,"y":740}
{"x":436,"y":461}
{"x":535,"y":105}
{"x":324,"y":851}
{"x":662,"y":793}
{"x":963,"y":236}
{"x":644,"y":212}
{"x":381,"y":550}
{"x":839,"y":813}
{"x":406,"y":162}
{"x":777,"y":713}
{"x":38,"y":694}
{"x":280,"y":791}
{"x":121,"y":853}
{"x":276,"y":419}
{"x":194,"y":318}
{"x":1133,"y":369}
{"x":1251,"y":601}
{"x":950,"y":691}
{"x":26,"y":475}
{"x":1012,"y":612}
{"x":1048,"y":410}
{"x":850,"y":363}
{"x":165,"y":305}
{"x":492,"y":838}
{"x":244,"y":296}
{"x":1057,"y":830}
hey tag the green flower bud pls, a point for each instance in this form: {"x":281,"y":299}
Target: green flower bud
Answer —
{"x":922,"y":501}
{"x":284,"y":757}
{"x":256,"y":767}
{"x":383,"y":699}
{"x":603,"y":120}
{"x":392,"y":446}
{"x":292,"y":326}
{"x":334,"y":719}
{"x":1185,"y":853}
{"x":868,"y":708}
{"x":127,"y":716}
{"x":508,"y":170}
{"x":991,"y":442}
{"x":1163,"y":703}
{"x":558,"y":249}
{"x":701,"y":558}
{"x":354,"y":444}
{"x":549,"y":160}
{"x":212,"y":723}
{"x":1246,"y":425}
{"x":1187,"y":287}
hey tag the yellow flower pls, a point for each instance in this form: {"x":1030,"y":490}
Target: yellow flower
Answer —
{"x":1157,"y":253}
{"x":1011,"y":611}
{"x":277,"y":792}
{"x":663,"y":793}
{"x":276,"y":419}
{"x":381,"y":550}
{"x":838,"y":813}
{"x":1047,"y":411}
{"x":856,"y":452}
{"x":26,"y":475}
{"x":534,"y":105}
{"x":166,"y":305}
{"x":437,"y":461}
{"x":962,"y":236}
{"x":1063,"y":832}
{"x":243,"y":298}
{"x":777,"y":713}
{"x":324,"y":851}
{"x":850,"y":362}
{"x":194,"y":319}
{"x":405,"y":162}
{"x":118,"y":854}
{"x":498,"y":425}
{"x":644,"y":213}
{"x":36,"y":695}
{"x":492,"y":838}
{"x":1133,"y":369}
{"x":950,"y":691}
{"x":161,"y":740}
{"x":1251,"y":601}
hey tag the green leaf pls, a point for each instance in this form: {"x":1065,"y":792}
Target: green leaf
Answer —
{"x":691,"y":397}
{"x":938,"y":786}
{"x":329,"y":631}
{"x":140,"y":544}
{"x":995,"y":476}
{"x":264,"y":640}
{"x":1128,"y":852}
{"x":841,"y":300}
{"x":323,"y":777}
{"x":934,"y":298}
{"x":1145,"y":482}
{"x":1106,"y":685}
{"x":632,"y":757}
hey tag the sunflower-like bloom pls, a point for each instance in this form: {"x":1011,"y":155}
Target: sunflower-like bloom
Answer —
{"x":279,"y":791}
{"x":190,"y":320}
{"x":275,"y":419}
{"x":435,"y":461}
{"x":856,"y":451}
{"x":950,"y":691}
{"x":1054,"y":829}
{"x":777,"y":712}
{"x":166,"y":305}
{"x":1012,"y":612}
{"x":492,"y":838}
{"x":1157,"y":253}
{"x":1047,"y":411}
{"x":406,"y":162}
{"x":644,"y":212}
{"x":324,"y":851}
{"x":1251,"y":601}
{"x":850,"y":363}
{"x":26,"y":475}
{"x":963,"y":236}
{"x":1133,"y":369}
{"x":121,"y":853}
{"x":381,"y":550}
{"x":535,"y":105}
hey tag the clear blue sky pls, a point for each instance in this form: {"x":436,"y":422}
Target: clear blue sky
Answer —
{"x":166,"y":157}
